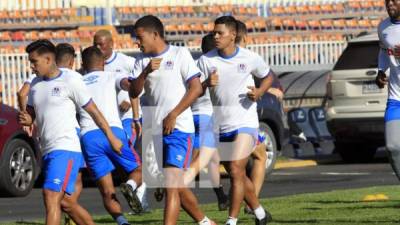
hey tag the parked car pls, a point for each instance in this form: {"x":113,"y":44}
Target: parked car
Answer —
{"x":19,"y":164}
{"x":355,"y":106}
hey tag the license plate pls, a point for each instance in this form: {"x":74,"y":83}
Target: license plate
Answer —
{"x":369,"y":87}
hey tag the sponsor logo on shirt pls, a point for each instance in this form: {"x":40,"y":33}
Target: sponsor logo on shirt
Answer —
{"x":57,"y":181}
{"x":169,"y":65}
{"x":56,"y":91}
{"x":179,"y":157}
{"x":90,"y":80}
{"x":242,"y":68}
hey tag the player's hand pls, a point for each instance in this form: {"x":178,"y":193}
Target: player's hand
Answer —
{"x":213,"y":79}
{"x":28,"y":130}
{"x":124,"y":106}
{"x":136,"y":127}
{"x":153,"y":65}
{"x":381,"y":79}
{"x":24,"y":118}
{"x":169,"y":123}
{"x":254,"y":94}
{"x":276,"y":92}
{"x":116,"y":144}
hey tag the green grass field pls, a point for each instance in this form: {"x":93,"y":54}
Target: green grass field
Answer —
{"x":329,"y":208}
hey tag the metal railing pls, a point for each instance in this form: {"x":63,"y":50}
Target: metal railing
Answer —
{"x":282,"y":57}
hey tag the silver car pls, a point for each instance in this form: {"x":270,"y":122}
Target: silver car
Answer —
{"x":356,"y":106}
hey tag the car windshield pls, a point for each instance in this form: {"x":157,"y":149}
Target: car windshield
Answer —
{"x":359,"y":55}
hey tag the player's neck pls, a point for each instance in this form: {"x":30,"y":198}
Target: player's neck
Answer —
{"x":54,"y":72}
{"x":228,"y":51}
{"x":160,"y":48}
{"x":108,"y":56}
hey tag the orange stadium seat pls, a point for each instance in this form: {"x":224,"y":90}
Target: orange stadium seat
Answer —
{"x":3,"y":16}
{"x":42,"y":14}
{"x":276,"y":23}
{"x":55,"y":13}
{"x":165,"y":11}
{"x":301,"y":25}
{"x":260,"y":25}
{"x":327,"y":8}
{"x":214,"y":10}
{"x":289,"y":24}
{"x":17,"y":36}
{"x":354,"y":5}
{"x":352,"y":23}
{"x":137,"y":10}
{"x":177,"y":10}
{"x":339,"y":24}
{"x":327,"y":24}
{"x":277,"y":10}
{"x":250,"y":26}
{"x":375,"y":22}
{"x":5,"y":36}
{"x":302,"y":9}
{"x":240,"y":10}
{"x":290,"y":10}
{"x":364,"y":23}
{"x":338,"y":7}
{"x":171,"y":29}
{"x":28,"y":15}
{"x":196,"y":28}
{"x":188,"y":11}
{"x":378,"y":4}
{"x":314,"y":24}
{"x":366,"y":5}
{"x":252,"y":11}
{"x":208,"y":27}
{"x":150,"y":10}
{"x":183,"y":28}
{"x":227,"y":8}
{"x":314,"y":9}
{"x":15,"y":16}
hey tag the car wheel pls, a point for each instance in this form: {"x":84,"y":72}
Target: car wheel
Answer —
{"x":18,"y":169}
{"x":272,"y":147}
{"x":356,"y":152}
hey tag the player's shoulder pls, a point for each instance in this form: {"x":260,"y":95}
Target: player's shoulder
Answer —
{"x":124,"y":57}
{"x":209,"y":55}
{"x":384,"y":23}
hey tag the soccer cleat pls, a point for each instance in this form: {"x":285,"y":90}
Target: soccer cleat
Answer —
{"x":261,"y":222}
{"x":131,"y":197}
{"x":223,"y":203}
{"x":159,"y":194}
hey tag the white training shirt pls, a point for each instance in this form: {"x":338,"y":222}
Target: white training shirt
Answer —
{"x":103,"y":86}
{"x":121,"y":63}
{"x":30,"y":79}
{"x":389,"y":33}
{"x":203,"y":105}
{"x":55,"y":102}
{"x":232,"y":108}
{"x":165,"y":87}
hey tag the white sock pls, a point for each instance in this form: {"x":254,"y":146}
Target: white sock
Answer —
{"x":132,"y":183}
{"x":231,"y":221}
{"x":205,"y":221}
{"x":259,"y":212}
{"x":141,"y":193}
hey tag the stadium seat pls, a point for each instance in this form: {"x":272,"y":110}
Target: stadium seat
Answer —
{"x":327,"y":8}
{"x":28,"y":15}
{"x":366,"y":5}
{"x":260,"y":25}
{"x":43,"y":15}
{"x":379,"y":5}
{"x":354,"y":6}
{"x":15,"y":16}
{"x":188,"y":11}
{"x":3,"y":16}
{"x":327,"y":24}
{"x":364,"y":23}
{"x":171,"y":29}
{"x":17,"y":36}
{"x":302,"y":9}
{"x":290,"y":10}
{"x":352,"y":23}
{"x":277,"y":10}
{"x":276,"y":24}
{"x":314,"y":24}
{"x":375,"y":22}
{"x":208,"y":27}
{"x":338,"y":7}
{"x":250,"y":26}
{"x":226,"y":9}
{"x":196,"y":28}
{"x":289,"y":24}
{"x":183,"y":29}
{"x":339,"y":24}
{"x":314,"y":9}
{"x":301,"y":25}
{"x":150,"y":10}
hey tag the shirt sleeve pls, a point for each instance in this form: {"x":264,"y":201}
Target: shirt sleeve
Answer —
{"x":260,"y":68}
{"x":189,"y":70}
{"x":119,"y":77}
{"x":137,"y":68}
{"x":131,"y":64}
{"x":30,"y":79}
{"x":79,"y":93}
{"x":383,"y":60}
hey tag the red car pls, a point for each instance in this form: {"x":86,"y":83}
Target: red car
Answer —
{"x":19,"y":161}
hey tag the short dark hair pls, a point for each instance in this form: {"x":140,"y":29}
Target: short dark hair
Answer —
{"x":241,"y":31}
{"x":90,"y":56}
{"x":150,"y":23}
{"x":64,"y":50}
{"x":207,"y":43}
{"x":41,"y":46}
{"x":229,"y":22}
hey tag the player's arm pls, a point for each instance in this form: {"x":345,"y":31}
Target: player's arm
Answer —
{"x":194,"y":91}
{"x":138,"y":83}
{"x":101,"y":122}
{"x":26,"y":117}
{"x":383,"y":64}
{"x":22,"y":96}
{"x":255,"y":93}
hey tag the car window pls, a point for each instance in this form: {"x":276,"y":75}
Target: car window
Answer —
{"x":359,"y":55}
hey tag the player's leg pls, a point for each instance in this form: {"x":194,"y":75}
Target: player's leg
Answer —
{"x":392,"y":128}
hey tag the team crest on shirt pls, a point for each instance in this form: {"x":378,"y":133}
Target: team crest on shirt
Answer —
{"x":118,"y":70}
{"x":169,"y":65}
{"x":242,"y":68}
{"x":56,"y":91}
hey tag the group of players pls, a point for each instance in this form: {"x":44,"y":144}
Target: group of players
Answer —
{"x":94,"y":120}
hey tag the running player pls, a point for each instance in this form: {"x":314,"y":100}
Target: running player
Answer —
{"x":389,"y":55}
{"x":171,"y":82}
{"x":53,"y":98}
{"x":99,"y":156}
{"x":121,"y":63}
{"x":230,"y":70}
{"x":204,"y":152}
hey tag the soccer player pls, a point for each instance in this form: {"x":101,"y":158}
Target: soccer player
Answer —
{"x":229,"y":70}
{"x":53,"y":98}
{"x":171,"y":82}
{"x":99,"y":156}
{"x":121,"y":63}
{"x":389,"y":55}
{"x":205,"y":152}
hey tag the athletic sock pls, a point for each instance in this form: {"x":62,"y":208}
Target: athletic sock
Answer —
{"x":121,"y":220}
{"x":132,"y":183}
{"x":259,"y":213}
{"x":205,"y":221}
{"x":231,"y":221}
{"x":219,"y":191}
